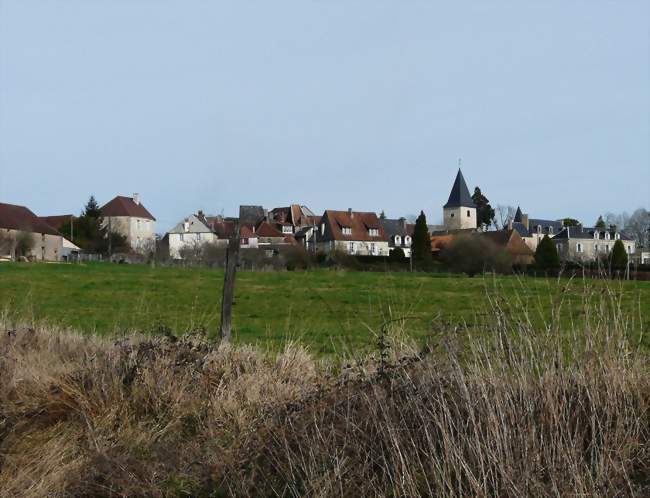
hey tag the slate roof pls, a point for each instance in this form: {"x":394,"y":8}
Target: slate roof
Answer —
{"x":126,"y":206}
{"x":251,"y":214}
{"x":588,"y":233}
{"x":520,"y":228}
{"x":358,"y":222}
{"x":459,"y":195}
{"x":16,"y":217}
{"x":398,"y":226}
{"x":534,"y":222}
{"x":518,"y":215}
{"x":195,"y":226}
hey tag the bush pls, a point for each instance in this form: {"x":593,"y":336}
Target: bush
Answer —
{"x":473,"y":254}
{"x":397,"y":255}
{"x":25,"y":244}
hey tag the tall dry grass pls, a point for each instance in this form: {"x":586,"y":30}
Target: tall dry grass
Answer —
{"x":507,"y":408}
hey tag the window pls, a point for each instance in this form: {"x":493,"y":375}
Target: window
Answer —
{"x":629,"y":249}
{"x":452,"y":215}
{"x":606,"y":248}
{"x":198,"y":236}
{"x":322,"y":228}
{"x":550,"y":230}
{"x":398,"y":240}
{"x":373,"y":232}
{"x":606,"y":235}
{"x":596,"y":234}
{"x":346,"y":230}
{"x":372,"y":248}
{"x":351,"y":247}
{"x":407,"y":240}
{"x":578,"y":247}
{"x":539,"y":229}
{"x":617,"y":236}
{"x":182,"y":237}
{"x":287,"y":229}
{"x":596,"y":247}
{"x":468,"y":215}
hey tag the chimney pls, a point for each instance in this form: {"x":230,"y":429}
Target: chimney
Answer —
{"x":510,"y":224}
{"x":524,"y":220}
{"x":136,"y":198}
{"x":402,"y":223}
{"x":350,"y":214}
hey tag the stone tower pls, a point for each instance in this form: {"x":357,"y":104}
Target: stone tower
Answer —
{"x":460,"y":210}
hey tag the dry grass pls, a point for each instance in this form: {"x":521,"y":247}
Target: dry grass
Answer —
{"x":506,"y":410}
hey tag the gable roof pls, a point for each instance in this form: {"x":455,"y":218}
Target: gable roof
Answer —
{"x":266,"y":229}
{"x":251,"y":214}
{"x":20,"y":218}
{"x":57,"y":221}
{"x":126,"y":206}
{"x":459,"y":195}
{"x":195,"y":225}
{"x":398,"y":226}
{"x":359,"y":222}
{"x":509,"y":240}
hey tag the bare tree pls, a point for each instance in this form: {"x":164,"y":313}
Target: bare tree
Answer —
{"x":638,"y":226}
{"x":503,"y":214}
{"x":24,"y":243}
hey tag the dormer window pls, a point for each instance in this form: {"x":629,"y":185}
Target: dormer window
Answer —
{"x":617,"y":236}
{"x":373,"y":232}
{"x":346,"y":230}
{"x":606,"y":235}
{"x":539,"y":229}
{"x":596,"y":234}
{"x":407,"y":240}
{"x":398,"y":240}
{"x":287,"y":229}
{"x":186,"y":226}
{"x":550,"y":230}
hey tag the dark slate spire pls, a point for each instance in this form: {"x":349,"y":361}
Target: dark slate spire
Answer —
{"x":459,"y":196}
{"x":518,"y":215}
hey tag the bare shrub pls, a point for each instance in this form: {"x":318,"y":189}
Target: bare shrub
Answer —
{"x":24,"y":243}
{"x":473,"y":255}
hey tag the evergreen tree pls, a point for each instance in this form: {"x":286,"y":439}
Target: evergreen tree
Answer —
{"x":421,"y":244}
{"x":484,"y":212}
{"x":546,"y":256}
{"x":570,"y":222}
{"x":600,"y":224}
{"x":91,"y":209}
{"x":619,"y":256}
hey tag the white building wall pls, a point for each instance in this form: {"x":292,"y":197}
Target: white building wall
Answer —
{"x":462,"y":218}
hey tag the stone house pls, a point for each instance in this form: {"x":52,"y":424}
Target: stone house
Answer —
{"x":128,"y":217}
{"x":583,"y":245}
{"x":353,"y":232}
{"x":532,"y":230}
{"x":192,"y":233}
{"x":399,"y":233}
{"x":46,"y":244}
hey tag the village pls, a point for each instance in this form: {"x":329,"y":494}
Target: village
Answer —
{"x":129,"y":230}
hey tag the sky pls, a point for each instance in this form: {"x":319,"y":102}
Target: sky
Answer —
{"x":336,"y":104}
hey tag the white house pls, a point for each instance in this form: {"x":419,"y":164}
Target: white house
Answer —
{"x":191,"y":233}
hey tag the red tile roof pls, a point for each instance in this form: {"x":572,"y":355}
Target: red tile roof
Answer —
{"x":358,"y":222}
{"x":266,"y":229}
{"x":57,"y":221}
{"x":126,"y":206}
{"x":20,"y":218}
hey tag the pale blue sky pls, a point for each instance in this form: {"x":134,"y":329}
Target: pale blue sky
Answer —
{"x":334,"y":104}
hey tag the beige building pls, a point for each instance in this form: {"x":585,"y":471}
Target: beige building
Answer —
{"x":128,"y":217}
{"x":460,"y":211}
{"x":533,"y":230}
{"x":583,"y":245}
{"x":23,"y":234}
{"x":353,"y":232}
{"x":191,"y":234}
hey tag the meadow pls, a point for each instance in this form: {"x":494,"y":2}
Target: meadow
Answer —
{"x":326,"y":310}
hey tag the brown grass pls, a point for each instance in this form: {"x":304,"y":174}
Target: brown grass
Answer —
{"x":504,"y":410}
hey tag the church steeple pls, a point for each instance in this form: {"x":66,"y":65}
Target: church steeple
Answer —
{"x":459,"y":195}
{"x":460,"y":211}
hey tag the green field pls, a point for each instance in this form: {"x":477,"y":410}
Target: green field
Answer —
{"x":326,"y":309}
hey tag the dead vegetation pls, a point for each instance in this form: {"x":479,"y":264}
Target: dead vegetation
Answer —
{"x":509,"y":410}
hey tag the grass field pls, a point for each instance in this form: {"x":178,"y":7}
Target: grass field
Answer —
{"x":327,"y":310}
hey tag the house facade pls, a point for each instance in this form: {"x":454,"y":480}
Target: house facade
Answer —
{"x":23,"y":234}
{"x":583,"y":245}
{"x":128,"y":217}
{"x":532,"y":230}
{"x":399,"y":233}
{"x":191,"y":234}
{"x":353,"y":232}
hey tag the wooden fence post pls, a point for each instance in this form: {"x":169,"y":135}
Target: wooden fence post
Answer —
{"x":232,"y":258}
